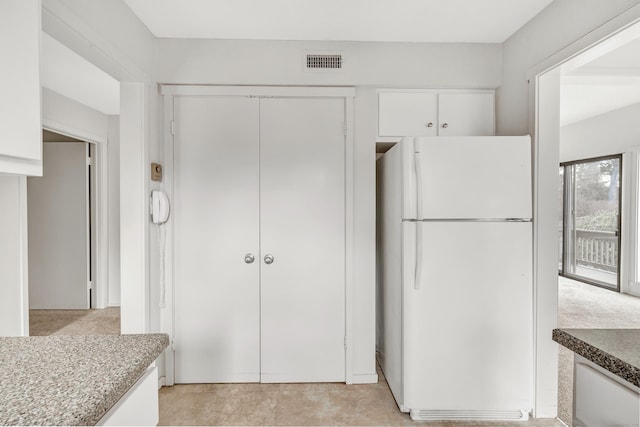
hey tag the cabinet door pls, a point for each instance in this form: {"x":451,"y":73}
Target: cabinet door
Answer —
{"x":602,"y":399}
{"x":215,"y":211}
{"x":407,"y":114}
{"x":303,"y":229}
{"x":466,"y":114}
{"x":20,"y":72}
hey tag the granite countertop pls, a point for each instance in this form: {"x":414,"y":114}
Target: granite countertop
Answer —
{"x":70,"y":380}
{"x":616,"y":350}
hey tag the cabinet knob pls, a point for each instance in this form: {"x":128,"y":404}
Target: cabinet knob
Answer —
{"x":249,"y":258}
{"x":268,"y":259}
{"x":430,"y":125}
{"x":445,"y":125}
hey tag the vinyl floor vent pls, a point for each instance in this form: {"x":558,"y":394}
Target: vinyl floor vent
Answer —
{"x":326,"y":62}
{"x":470,"y":415}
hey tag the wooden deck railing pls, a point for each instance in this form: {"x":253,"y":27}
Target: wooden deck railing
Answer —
{"x":597,"y":249}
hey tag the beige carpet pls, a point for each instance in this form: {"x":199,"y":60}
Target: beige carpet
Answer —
{"x":75,"y":322}
{"x":585,"y":306}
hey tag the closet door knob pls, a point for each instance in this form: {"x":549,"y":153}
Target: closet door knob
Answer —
{"x":430,"y":125}
{"x":268,"y":259}
{"x":445,"y":125}
{"x":249,"y":258}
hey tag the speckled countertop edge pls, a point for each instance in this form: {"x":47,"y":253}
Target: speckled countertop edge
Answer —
{"x":624,"y":370}
{"x":70,"y":380}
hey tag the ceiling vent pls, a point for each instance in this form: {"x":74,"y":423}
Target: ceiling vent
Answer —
{"x":323,"y":61}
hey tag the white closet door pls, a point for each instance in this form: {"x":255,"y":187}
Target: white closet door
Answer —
{"x":58,"y":210}
{"x":216,"y":224}
{"x":303,"y":229}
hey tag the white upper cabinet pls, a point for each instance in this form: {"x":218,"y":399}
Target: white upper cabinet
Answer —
{"x":408,"y":113}
{"x":20,"y":112}
{"x":464,"y":114}
{"x":430,"y":113}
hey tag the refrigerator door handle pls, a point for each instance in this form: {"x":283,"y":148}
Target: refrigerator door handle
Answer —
{"x":417,"y":160}
{"x":418,"y":271}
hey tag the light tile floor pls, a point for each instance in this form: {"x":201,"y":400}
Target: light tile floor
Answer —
{"x":294,"y":404}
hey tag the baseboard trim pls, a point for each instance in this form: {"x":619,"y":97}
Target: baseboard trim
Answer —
{"x":634,"y":289}
{"x":365,"y":378}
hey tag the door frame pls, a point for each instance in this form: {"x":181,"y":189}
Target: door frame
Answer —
{"x":101,"y":244}
{"x":169,"y":92}
{"x":543,"y":81}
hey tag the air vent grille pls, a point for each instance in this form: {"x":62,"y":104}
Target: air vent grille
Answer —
{"x":324,"y":62}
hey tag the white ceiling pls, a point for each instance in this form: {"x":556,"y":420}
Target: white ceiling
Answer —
{"x":69,"y":74}
{"x":624,"y":59}
{"x":475,"y":21}
{"x":606,"y":80}
{"x":585,"y":97}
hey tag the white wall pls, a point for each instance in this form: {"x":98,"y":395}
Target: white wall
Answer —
{"x":364,"y":206}
{"x":614,"y":132}
{"x":113,"y":137}
{"x":156,"y":155}
{"x":376,"y":64}
{"x":557,"y":26}
{"x":134,"y":208}
{"x":14,"y":302}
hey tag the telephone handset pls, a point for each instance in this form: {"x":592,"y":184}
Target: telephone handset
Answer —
{"x":159,"y":207}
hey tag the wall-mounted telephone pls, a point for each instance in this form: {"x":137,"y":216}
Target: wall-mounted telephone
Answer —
{"x":159,"y":207}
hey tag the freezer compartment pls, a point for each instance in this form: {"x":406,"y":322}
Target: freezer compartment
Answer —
{"x":467,"y":329}
{"x":466,"y":177}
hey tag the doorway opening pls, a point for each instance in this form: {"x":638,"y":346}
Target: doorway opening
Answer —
{"x":590,"y":229}
{"x":63,"y":253}
{"x":586,"y":108}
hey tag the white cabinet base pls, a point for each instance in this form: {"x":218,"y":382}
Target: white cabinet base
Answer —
{"x":138,"y":406}
{"x":601,"y":398}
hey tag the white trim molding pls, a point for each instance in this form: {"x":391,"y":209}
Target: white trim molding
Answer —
{"x":134,"y":208}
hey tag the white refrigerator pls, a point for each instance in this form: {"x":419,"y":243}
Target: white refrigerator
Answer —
{"x":455,"y":293}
